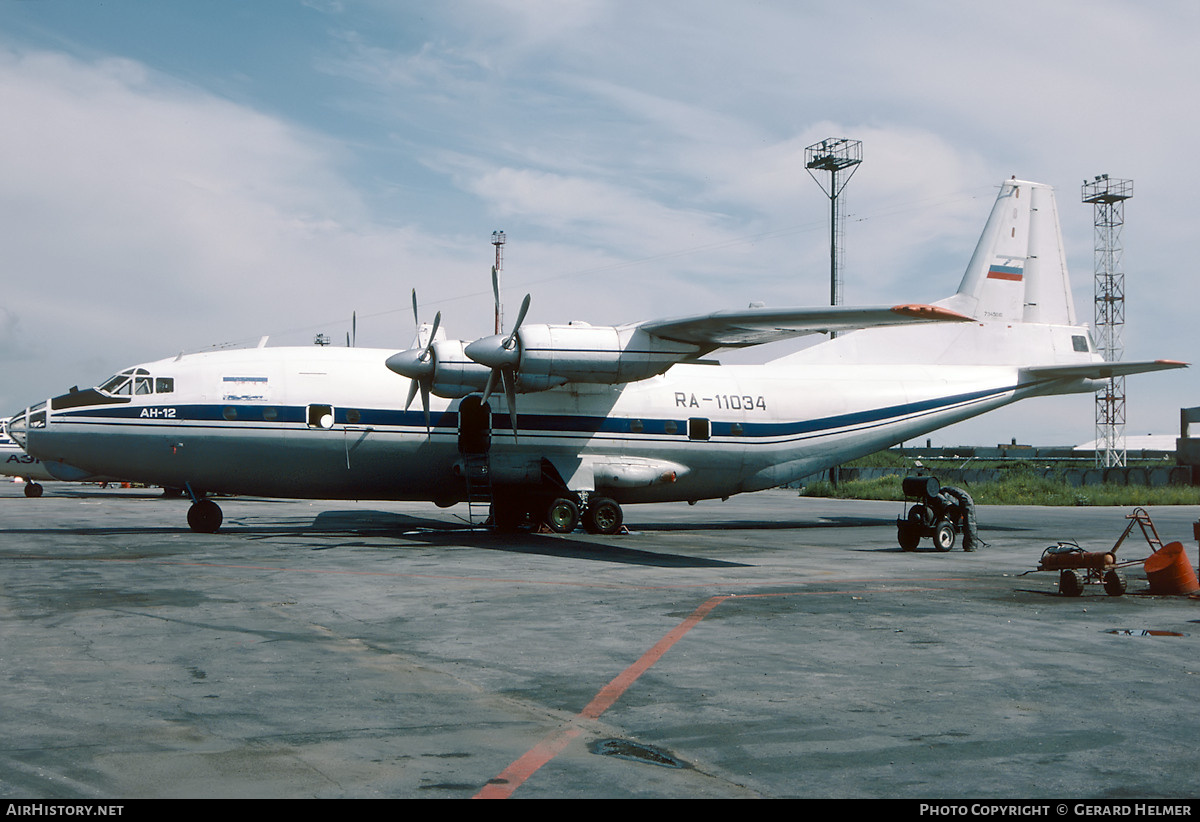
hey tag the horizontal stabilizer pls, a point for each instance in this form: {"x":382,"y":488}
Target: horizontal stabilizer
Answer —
{"x":1099,"y":370}
{"x":738,"y":329}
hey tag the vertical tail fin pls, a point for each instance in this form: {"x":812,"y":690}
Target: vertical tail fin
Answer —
{"x":1018,"y":272}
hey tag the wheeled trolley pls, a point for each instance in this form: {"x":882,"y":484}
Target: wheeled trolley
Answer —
{"x":941,"y":514}
{"x":1078,"y":568}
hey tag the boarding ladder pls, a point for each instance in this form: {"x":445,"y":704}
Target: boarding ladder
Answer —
{"x":478,"y":475}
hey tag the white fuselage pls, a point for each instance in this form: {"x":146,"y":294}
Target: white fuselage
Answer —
{"x":327,"y":423}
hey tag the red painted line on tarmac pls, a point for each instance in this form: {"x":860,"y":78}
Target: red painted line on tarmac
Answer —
{"x":518,"y":772}
{"x":515,"y":775}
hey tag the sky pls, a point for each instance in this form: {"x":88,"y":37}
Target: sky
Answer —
{"x":178,"y":176}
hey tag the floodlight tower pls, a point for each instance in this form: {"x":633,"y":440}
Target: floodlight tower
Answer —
{"x":498,"y":241}
{"x":840,"y":158}
{"x":1108,"y":196}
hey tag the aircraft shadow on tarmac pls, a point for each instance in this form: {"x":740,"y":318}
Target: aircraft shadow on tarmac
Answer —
{"x":383,"y":524}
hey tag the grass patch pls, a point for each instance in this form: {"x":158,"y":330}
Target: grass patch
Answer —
{"x":1018,"y":484}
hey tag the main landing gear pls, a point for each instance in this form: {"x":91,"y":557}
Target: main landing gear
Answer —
{"x":562,"y":514}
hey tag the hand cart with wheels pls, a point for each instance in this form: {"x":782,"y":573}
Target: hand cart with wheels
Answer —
{"x":1077,"y":568}
{"x":940,"y":514}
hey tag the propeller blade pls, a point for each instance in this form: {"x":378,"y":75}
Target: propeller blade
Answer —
{"x":491,"y":385}
{"x":517,"y":325}
{"x":412,"y":393}
{"x":425,"y":406}
{"x":437,"y":320}
{"x":416,"y":319}
{"x":510,"y":394}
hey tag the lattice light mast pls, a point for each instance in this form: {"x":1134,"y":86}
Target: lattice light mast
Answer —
{"x":840,"y":158}
{"x":498,"y":240}
{"x":1107,"y":196}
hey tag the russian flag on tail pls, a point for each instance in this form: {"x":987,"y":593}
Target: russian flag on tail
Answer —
{"x":1006,"y":272}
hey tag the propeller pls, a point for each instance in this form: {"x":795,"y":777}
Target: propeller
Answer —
{"x":418,"y":364}
{"x":503,"y":355}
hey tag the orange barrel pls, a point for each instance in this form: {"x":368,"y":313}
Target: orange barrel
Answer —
{"x":1169,"y":571}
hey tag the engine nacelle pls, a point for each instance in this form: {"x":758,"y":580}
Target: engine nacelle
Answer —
{"x":444,"y":368}
{"x":454,"y":373}
{"x":549,"y":355}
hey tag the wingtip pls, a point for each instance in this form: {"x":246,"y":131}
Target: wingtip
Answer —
{"x":930,"y":312}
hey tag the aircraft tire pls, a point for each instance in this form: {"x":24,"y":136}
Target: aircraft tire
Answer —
{"x":603,"y":516}
{"x":205,"y":517}
{"x":33,"y":489}
{"x":943,"y":535}
{"x":562,"y":515}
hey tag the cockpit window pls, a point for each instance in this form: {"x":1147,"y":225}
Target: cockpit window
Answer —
{"x":137,"y":381}
{"x":120,"y":384}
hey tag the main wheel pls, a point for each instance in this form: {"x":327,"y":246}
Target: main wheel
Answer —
{"x":602,"y":516}
{"x":205,"y":517}
{"x":33,"y":489}
{"x":1070,"y":584}
{"x":944,"y":535}
{"x":562,"y":515}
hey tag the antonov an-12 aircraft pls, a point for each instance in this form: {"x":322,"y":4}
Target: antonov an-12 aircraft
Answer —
{"x":563,"y":424}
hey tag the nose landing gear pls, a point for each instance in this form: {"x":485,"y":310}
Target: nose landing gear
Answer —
{"x":204,"y":517}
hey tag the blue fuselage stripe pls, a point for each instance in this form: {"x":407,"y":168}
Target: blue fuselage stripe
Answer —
{"x":258,"y":416}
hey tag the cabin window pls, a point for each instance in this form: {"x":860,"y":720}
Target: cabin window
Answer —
{"x":1079,"y":342}
{"x":143,"y":385}
{"x":698,"y":428}
{"x":229,"y":412}
{"x":353,"y":416}
{"x":270,"y":414}
{"x":320,"y":416}
{"x":671,"y":427}
{"x":736,"y":429}
{"x":164,"y":385}
{"x":636,"y":427}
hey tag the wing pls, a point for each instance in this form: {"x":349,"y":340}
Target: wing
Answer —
{"x":738,"y":329}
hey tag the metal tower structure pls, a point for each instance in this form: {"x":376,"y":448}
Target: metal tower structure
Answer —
{"x":840,"y":158}
{"x":498,"y":240}
{"x":1108,"y":196}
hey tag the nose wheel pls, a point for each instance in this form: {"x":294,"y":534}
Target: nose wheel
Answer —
{"x":205,"y":517}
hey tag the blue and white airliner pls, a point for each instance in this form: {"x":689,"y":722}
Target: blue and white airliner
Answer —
{"x":565,"y":424}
